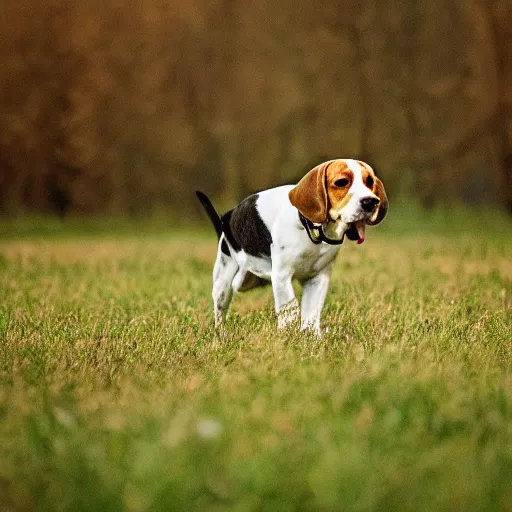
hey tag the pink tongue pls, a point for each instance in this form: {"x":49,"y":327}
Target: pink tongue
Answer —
{"x":361,"y":230}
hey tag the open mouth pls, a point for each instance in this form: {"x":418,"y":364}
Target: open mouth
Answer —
{"x":356,"y":231}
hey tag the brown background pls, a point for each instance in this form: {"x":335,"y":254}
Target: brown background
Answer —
{"x":126,"y":107}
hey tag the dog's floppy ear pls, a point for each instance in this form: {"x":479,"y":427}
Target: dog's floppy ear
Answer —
{"x":381,"y":211}
{"x":309,"y":196}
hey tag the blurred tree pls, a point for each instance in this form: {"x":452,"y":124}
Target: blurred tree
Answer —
{"x":109,"y":106}
{"x":500,"y":15}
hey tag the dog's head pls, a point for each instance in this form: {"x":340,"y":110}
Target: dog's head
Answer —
{"x":342,"y":191}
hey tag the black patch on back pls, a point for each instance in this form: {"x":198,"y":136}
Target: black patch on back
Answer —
{"x":224,"y":248}
{"x":226,"y":229}
{"x":245,"y":230}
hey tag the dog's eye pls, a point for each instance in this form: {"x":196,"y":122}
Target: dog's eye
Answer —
{"x":343,"y":182}
{"x":369,"y":182}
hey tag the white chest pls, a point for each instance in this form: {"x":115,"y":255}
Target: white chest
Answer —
{"x":310,"y":261}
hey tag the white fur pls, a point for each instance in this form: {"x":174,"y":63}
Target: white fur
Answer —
{"x":293,"y":256}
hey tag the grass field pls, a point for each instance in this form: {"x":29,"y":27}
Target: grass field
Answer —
{"x":116,"y":394}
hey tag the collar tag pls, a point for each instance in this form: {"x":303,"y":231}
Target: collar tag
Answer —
{"x":316,"y":232}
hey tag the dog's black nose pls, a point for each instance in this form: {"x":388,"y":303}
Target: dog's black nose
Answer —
{"x":368,"y":204}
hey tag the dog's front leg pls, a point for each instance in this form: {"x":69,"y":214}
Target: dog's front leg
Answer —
{"x":314,"y":292}
{"x":286,"y":305}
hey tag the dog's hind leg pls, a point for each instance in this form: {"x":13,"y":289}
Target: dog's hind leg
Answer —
{"x":224,"y":272}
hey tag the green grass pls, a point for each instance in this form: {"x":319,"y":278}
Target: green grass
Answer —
{"x":116,"y":394}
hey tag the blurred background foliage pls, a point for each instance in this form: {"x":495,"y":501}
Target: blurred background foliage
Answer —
{"x":118,"y":107}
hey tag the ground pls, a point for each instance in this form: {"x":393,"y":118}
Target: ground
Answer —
{"x":116,"y":393}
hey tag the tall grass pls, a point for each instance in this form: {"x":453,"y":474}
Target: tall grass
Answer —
{"x":117,"y":394}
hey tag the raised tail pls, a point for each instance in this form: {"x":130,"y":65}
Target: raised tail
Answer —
{"x":211,"y":211}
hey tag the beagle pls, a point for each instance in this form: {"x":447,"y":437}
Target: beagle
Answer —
{"x":294,"y":232}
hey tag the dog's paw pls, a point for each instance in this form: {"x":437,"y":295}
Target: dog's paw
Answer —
{"x":220,"y":331}
{"x":314,"y":329}
{"x":288,"y":315}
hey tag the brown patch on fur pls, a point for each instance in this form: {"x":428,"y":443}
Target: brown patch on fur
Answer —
{"x":366,"y":172}
{"x":344,"y":201}
{"x":382,"y":209}
{"x":339,"y":196}
{"x":310,"y":194}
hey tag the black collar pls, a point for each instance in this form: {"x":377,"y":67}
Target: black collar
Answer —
{"x":316,"y":232}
